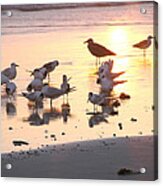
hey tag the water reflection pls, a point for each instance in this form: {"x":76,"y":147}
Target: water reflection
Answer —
{"x":42,"y":116}
{"x":11,"y":109}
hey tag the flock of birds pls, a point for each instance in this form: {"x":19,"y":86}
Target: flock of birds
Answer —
{"x":37,"y":90}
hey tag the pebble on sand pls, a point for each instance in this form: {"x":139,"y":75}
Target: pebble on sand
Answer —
{"x":63,"y":133}
{"x":120,"y":126}
{"x":134,"y":119}
{"x":124,"y":96}
{"x":10,"y":128}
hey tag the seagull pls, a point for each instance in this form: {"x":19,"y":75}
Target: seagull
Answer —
{"x":36,"y":97}
{"x":4,"y":79}
{"x":35,"y":85}
{"x":52,"y":93}
{"x":98,"y":50}
{"x":106,"y":67}
{"x":50,"y":67}
{"x":144,"y":44}
{"x":65,"y":86}
{"x":96,"y":99}
{"x":10,"y":88}
{"x":11,"y":71}
{"x":107,"y":84}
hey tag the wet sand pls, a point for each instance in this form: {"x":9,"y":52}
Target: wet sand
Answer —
{"x":96,"y":159}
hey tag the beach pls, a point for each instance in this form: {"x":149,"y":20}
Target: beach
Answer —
{"x":98,"y":159}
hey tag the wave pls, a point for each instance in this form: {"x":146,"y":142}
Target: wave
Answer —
{"x":79,"y":25}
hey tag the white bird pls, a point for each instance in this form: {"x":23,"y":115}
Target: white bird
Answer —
{"x":10,"y":72}
{"x":50,"y":67}
{"x":106,"y":67}
{"x":36,"y":97}
{"x":10,"y":88}
{"x":35,"y":85}
{"x":107,"y":84}
{"x":96,"y":99}
{"x":144,"y":44}
{"x":52,"y":93}
{"x":4,"y":79}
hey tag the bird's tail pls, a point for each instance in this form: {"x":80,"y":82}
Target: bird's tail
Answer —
{"x":135,"y":45}
{"x":119,"y":82}
{"x":115,"y":75}
{"x":72,"y":89}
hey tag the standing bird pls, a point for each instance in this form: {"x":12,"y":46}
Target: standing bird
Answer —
{"x":52,"y":92}
{"x":10,"y":72}
{"x":144,"y":44}
{"x":50,"y":67}
{"x":96,"y":99}
{"x":10,"y":88}
{"x":98,"y":50}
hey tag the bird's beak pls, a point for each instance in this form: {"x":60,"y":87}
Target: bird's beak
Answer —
{"x":31,"y":74}
{"x":17,"y":65}
{"x":85,"y":42}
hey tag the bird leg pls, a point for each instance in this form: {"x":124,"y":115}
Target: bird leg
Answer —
{"x":144,"y":53}
{"x":48,"y":78}
{"x":51,"y":103}
{"x":96,"y":62}
{"x":99,"y":61}
{"x":67,"y":97}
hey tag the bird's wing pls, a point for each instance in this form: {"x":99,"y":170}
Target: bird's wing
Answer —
{"x":102,"y":50}
{"x":6,"y":72}
{"x":141,"y":44}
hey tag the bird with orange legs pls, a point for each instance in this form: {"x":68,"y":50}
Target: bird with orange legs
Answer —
{"x":143,"y":45}
{"x":98,"y":50}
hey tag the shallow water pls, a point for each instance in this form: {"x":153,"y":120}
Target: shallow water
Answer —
{"x":33,"y":38}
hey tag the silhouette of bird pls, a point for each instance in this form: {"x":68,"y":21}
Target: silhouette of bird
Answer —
{"x":11,"y":71}
{"x":144,"y":44}
{"x":98,"y":50}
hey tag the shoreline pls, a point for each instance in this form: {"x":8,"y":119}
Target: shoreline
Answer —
{"x":96,"y":159}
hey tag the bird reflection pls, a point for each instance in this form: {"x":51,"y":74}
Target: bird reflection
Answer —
{"x":10,"y":109}
{"x":43,"y":117}
{"x":65,"y":111}
{"x":97,"y":119}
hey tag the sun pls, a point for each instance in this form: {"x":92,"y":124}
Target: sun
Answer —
{"x":119,"y":35}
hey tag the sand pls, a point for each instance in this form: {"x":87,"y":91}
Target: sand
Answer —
{"x":97,"y":159}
